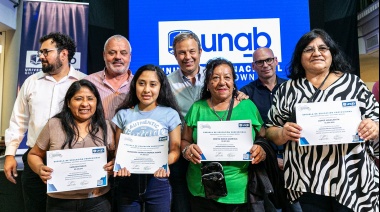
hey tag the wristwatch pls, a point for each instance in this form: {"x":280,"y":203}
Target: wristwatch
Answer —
{"x":184,"y":150}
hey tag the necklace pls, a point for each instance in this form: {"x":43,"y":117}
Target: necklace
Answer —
{"x":213,"y":109}
{"x":80,"y":140}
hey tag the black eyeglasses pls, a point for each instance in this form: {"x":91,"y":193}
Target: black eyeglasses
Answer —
{"x":269,"y":61}
{"x":321,"y":49}
{"x":45,"y":52}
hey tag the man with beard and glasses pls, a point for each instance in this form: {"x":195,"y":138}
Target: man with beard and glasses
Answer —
{"x":113,"y":85}
{"x":40,"y":97}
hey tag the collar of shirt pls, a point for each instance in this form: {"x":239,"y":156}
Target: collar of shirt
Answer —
{"x":279,"y":82}
{"x":130,"y":76}
{"x":198,"y":78}
{"x":72,"y":74}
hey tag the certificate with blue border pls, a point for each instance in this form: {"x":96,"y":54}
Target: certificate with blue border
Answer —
{"x":142,"y":155}
{"x":225,"y":140}
{"x":75,"y":169}
{"x":326,"y":123}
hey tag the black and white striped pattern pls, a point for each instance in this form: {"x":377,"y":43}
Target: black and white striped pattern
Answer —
{"x":344,"y":171}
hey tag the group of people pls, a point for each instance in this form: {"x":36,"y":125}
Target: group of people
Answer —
{"x":94,"y":110}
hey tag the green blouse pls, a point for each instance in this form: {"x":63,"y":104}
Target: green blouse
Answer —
{"x":236,"y":172}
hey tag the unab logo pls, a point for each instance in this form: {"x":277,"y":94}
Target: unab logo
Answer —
{"x":171,"y":36}
{"x":236,"y":40}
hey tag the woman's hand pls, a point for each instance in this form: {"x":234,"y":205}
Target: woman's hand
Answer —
{"x":193,"y":154}
{"x":122,"y":173}
{"x":257,"y":154}
{"x":368,"y":129}
{"x":291,"y":131}
{"x":45,"y":173}
{"x":109,"y":167}
{"x":162,"y":173}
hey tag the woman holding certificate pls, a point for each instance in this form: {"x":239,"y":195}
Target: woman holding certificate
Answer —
{"x":218,"y":105}
{"x":149,"y":111}
{"x":80,"y":125}
{"x":324,"y":174}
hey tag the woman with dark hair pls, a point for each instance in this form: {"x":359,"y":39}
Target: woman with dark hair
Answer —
{"x":80,"y":124}
{"x":150,"y":109}
{"x":219,"y":89}
{"x":331,"y":177}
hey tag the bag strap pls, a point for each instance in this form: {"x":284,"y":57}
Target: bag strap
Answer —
{"x":227,"y":119}
{"x":311,"y":99}
{"x":230,"y":108}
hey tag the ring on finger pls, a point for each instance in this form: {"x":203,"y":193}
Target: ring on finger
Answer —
{"x":191,"y":155}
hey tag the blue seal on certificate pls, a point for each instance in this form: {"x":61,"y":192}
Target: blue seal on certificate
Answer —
{"x":203,"y":157}
{"x":303,"y":141}
{"x":102,"y":181}
{"x":51,"y":187}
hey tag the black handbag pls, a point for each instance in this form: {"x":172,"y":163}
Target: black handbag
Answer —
{"x":213,"y":180}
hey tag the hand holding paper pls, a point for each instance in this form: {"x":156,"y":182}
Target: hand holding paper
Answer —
{"x":45,"y":173}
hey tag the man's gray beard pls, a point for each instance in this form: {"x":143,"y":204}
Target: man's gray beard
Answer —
{"x":52,"y":68}
{"x":117,"y":71}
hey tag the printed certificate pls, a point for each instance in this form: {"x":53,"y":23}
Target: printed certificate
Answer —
{"x":75,"y":169}
{"x":225,"y":140}
{"x":142,"y":155}
{"x":324,"y":123}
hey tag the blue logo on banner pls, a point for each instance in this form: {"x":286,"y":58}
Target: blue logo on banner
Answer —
{"x":252,"y":38}
{"x":34,"y":59}
{"x":171,"y":36}
{"x":349,"y":104}
{"x":73,"y":61}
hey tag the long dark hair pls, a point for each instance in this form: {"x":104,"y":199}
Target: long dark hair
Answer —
{"x":209,"y":70}
{"x":97,"y":122}
{"x":165,"y":96}
{"x":339,"y":61}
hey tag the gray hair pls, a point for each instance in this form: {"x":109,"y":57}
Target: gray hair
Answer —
{"x":117,"y":37}
{"x":184,"y":36}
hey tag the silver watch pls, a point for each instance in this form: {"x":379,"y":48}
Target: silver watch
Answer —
{"x":185,"y":149}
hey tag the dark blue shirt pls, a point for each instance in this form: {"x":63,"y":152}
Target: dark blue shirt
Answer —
{"x":261,"y":95}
